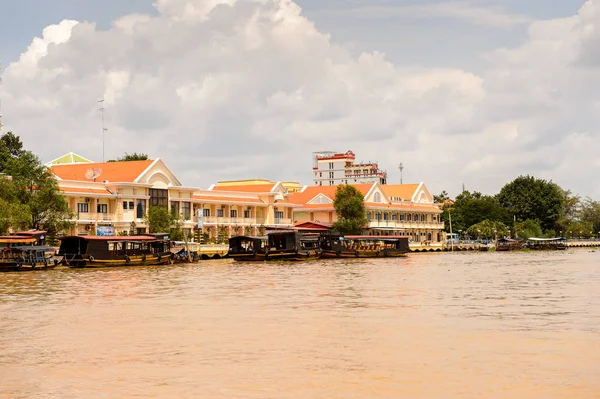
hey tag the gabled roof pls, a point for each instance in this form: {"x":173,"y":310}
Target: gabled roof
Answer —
{"x":69,"y":158}
{"x":247,"y":188}
{"x":309,"y":192}
{"x":405,"y":191}
{"x":124,"y":172}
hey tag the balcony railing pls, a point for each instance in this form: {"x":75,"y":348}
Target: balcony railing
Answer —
{"x":239,"y":221}
{"x":403,"y":224}
{"x":283,"y":221}
{"x":94,"y":217}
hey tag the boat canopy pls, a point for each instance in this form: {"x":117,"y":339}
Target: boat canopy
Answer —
{"x":111,"y":238}
{"x":546,"y":239}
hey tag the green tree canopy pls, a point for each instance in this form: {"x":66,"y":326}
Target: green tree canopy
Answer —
{"x":527,"y":229}
{"x":535,"y":199}
{"x":31,"y":192}
{"x":350,"y":208}
{"x":590,"y":212}
{"x":488,"y":229}
{"x":159,"y":219}
{"x":131,"y":157}
{"x":472,"y":208}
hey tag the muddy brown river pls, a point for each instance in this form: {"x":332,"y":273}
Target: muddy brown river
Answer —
{"x":462,"y":325}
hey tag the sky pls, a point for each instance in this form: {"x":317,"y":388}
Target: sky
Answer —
{"x":466,"y":93}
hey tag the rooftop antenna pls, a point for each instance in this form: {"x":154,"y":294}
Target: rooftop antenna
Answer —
{"x":1,"y":125}
{"x":401,"y":167}
{"x":101,"y":109}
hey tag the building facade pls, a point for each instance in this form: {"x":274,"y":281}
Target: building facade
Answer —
{"x":398,"y":209}
{"x":332,"y":169}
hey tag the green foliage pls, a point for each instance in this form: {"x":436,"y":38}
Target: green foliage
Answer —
{"x":580,"y":229}
{"x":131,"y":157}
{"x":262,"y":231}
{"x":590,"y":212}
{"x":222,"y":234}
{"x":535,"y":199}
{"x":488,"y":229}
{"x":159,"y":219}
{"x":132,"y":228}
{"x":350,"y":208}
{"x":31,"y":197}
{"x":472,"y":208}
{"x":439,"y":199}
{"x":527,"y":229}
{"x":247,"y":230}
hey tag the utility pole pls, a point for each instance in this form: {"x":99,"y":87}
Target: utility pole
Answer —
{"x":101,"y":109}
{"x":401,"y":167}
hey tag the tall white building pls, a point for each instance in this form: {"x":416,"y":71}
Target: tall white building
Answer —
{"x":331,"y":169}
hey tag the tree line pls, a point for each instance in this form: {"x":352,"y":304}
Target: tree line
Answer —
{"x":526,"y":207}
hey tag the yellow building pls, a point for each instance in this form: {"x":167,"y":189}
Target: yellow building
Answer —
{"x":392,"y":209}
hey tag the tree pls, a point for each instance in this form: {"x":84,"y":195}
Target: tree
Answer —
{"x":535,"y":199}
{"x":527,"y":229}
{"x":570,"y":211}
{"x":131,"y":157}
{"x":471,"y":208}
{"x":590,"y":212}
{"x":488,"y":229}
{"x":262,"y":230}
{"x":439,"y":199}
{"x":32,"y":191}
{"x":350,"y":208}
{"x":159,"y":219}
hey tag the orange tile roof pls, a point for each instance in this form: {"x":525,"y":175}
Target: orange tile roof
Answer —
{"x":227,"y":199}
{"x":311,"y":192}
{"x":80,"y":190}
{"x":247,"y":188}
{"x":405,"y":191}
{"x":125,"y":172}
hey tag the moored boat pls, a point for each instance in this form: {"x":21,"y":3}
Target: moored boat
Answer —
{"x":556,"y":243}
{"x":338,"y":246}
{"x":20,"y":253}
{"x":508,"y":244}
{"x":110,"y":251}
{"x":285,"y":245}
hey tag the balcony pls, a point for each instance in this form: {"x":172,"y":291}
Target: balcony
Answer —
{"x":283,"y":221}
{"x":234,"y":221}
{"x":405,"y":225}
{"x":95,"y":217}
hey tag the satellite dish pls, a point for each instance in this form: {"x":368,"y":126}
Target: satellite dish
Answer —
{"x":93,"y":173}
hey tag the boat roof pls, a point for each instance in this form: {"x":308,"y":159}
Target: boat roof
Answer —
{"x":13,"y":239}
{"x":546,"y":239}
{"x":112,"y":238}
{"x":33,"y":247}
{"x":373,"y":237}
{"x":249,"y":238}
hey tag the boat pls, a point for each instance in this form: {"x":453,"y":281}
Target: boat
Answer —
{"x":338,"y":246}
{"x":508,"y":244}
{"x":285,"y":245}
{"x":110,"y":251}
{"x":22,"y":252}
{"x":556,"y":243}
{"x":180,"y":251}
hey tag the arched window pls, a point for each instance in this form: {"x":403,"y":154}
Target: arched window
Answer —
{"x":416,"y":217}
{"x":423,"y":217}
{"x":377,"y":197}
{"x":409,"y":217}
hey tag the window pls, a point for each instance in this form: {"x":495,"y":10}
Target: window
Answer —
{"x":385,"y":216}
{"x":393,"y":216}
{"x":320,"y":174}
{"x":159,"y":197}
{"x":125,"y":205}
{"x":377,"y":197}
{"x":416,"y":217}
{"x":175,"y":208}
{"x":206,"y":212}
{"x":186,"y":210}
{"x":330,"y":165}
{"x":408,"y":217}
{"x":233,"y":213}
{"x":131,"y":205}
{"x":423,"y":218}
{"x":331,"y":182}
{"x":83,"y":207}
{"x":219,"y":213}
{"x":247,"y":214}
{"x":140,"y":209}
{"x":102,"y":208}
{"x":278,"y":215}
{"x":331,"y":175}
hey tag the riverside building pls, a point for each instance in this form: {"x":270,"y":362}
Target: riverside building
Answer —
{"x":332,"y":169}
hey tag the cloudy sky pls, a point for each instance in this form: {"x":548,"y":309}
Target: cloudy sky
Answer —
{"x":472,"y":92}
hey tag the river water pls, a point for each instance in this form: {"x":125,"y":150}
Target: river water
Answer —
{"x":460,"y":325}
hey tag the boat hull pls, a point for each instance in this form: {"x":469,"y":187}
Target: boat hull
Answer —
{"x":139,"y":260}
{"x":23,"y":267}
{"x":276,"y":256}
{"x":330,"y":254}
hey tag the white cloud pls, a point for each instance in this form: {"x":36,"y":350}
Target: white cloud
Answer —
{"x":468,"y":11}
{"x":233,"y":90}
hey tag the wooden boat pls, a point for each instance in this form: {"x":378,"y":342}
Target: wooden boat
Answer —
{"x":109,"y":251}
{"x":20,"y":253}
{"x":337,"y":246}
{"x":285,"y":245}
{"x":557,"y":243}
{"x":180,"y":251}
{"x":508,"y":244}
